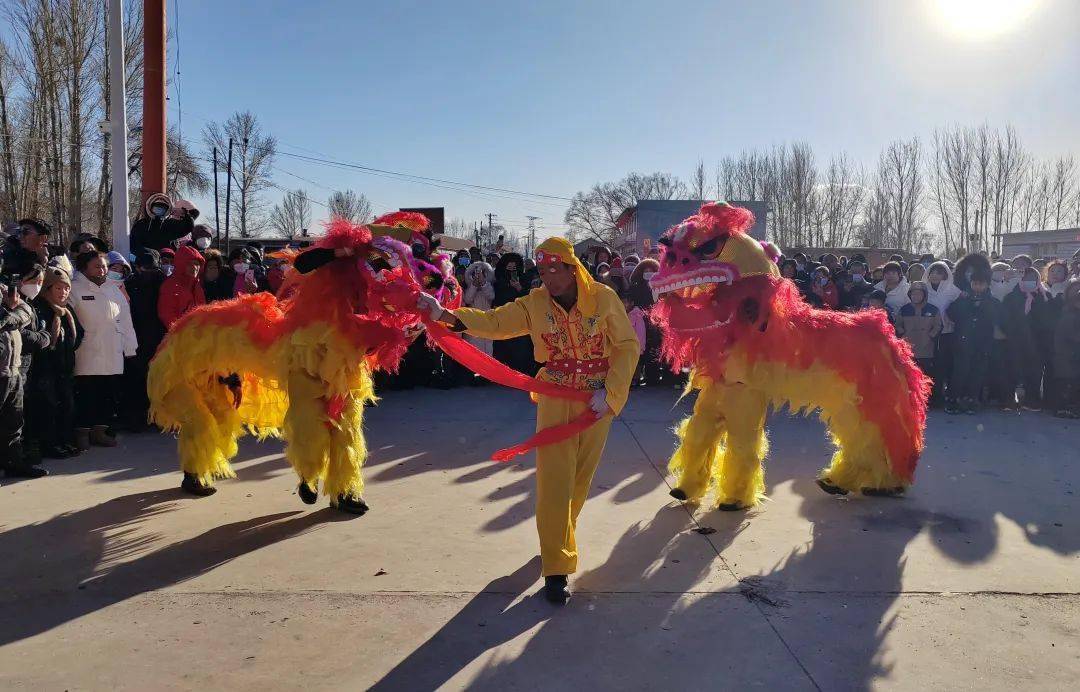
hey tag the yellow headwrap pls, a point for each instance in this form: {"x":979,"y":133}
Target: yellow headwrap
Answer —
{"x":561,"y":249}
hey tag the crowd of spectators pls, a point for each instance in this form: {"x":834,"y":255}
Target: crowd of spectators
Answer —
{"x":80,"y":324}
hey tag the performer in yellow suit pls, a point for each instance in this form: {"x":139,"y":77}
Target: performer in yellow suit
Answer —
{"x":581,"y":333}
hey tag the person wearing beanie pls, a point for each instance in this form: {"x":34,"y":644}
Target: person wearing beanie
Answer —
{"x":580,"y":330}
{"x":50,"y":389}
{"x":919,"y":324}
{"x":976,"y":315}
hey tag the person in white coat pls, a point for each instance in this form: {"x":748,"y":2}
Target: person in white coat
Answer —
{"x":895,"y":287}
{"x":941,"y":292}
{"x":480,"y":293}
{"x":99,"y":361}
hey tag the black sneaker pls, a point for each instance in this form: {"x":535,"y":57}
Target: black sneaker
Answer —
{"x":351,"y":504}
{"x":25,"y":471}
{"x":555,"y":589}
{"x":309,"y":495}
{"x":193,"y":486}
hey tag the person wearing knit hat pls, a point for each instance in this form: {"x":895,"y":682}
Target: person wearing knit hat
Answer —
{"x":581,"y":333}
{"x":919,"y":324}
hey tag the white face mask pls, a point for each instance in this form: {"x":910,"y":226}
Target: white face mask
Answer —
{"x":168,"y":269}
{"x":240,"y":267}
{"x":1028,"y":286}
{"x":648,"y":275}
{"x":30,"y":290}
{"x":202,"y":243}
{"x":115,"y":276}
{"x":857,"y":278}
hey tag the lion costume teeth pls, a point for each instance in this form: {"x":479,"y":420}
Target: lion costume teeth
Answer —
{"x":754,"y":343}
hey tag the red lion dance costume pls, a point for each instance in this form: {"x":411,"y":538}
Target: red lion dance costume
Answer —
{"x":299,"y":368}
{"x":752,"y":343}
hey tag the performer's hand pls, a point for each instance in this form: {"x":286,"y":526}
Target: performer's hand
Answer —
{"x":599,"y":403}
{"x":429,"y":305}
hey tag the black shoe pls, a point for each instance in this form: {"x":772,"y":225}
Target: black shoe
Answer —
{"x":308,"y":494}
{"x":730,"y":507}
{"x":25,"y":471}
{"x":58,"y":452}
{"x":555,"y":589}
{"x":679,"y":494}
{"x":826,"y":485}
{"x":72,"y":450}
{"x":350,"y":504}
{"x":952,"y":409}
{"x":193,"y":486}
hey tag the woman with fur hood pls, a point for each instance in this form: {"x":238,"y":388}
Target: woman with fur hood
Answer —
{"x":480,"y":294}
{"x":941,"y":292}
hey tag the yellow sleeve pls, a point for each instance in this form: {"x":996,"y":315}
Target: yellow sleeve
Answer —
{"x":624,"y":352}
{"x":504,"y":322}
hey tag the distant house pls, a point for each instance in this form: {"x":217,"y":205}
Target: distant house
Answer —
{"x":1061,"y":243}
{"x":649,"y":218}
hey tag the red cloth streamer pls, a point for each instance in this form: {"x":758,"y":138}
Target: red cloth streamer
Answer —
{"x":484,"y":365}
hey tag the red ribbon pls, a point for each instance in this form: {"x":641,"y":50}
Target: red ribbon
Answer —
{"x":487,"y":367}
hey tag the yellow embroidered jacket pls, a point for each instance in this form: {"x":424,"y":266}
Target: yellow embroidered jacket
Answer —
{"x":559,"y":336}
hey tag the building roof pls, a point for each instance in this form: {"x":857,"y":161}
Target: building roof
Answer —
{"x":1036,"y":236}
{"x":654,"y":216}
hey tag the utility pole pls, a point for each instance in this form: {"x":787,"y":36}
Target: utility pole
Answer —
{"x":476,"y":236}
{"x":491,"y":228}
{"x":228,"y":196}
{"x":217,"y":220}
{"x":118,"y":129}
{"x":153,"y":145}
{"x":532,"y":234}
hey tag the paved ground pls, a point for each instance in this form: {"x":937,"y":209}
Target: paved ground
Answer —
{"x":114,"y":580}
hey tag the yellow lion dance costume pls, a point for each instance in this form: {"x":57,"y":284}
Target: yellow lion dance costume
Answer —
{"x":299,"y":368}
{"x":753,"y":342}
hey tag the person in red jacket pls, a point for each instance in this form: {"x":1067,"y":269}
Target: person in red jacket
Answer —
{"x":823,"y":287}
{"x":183,"y":290}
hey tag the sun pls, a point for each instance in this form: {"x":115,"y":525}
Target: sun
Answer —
{"x":981,"y":19}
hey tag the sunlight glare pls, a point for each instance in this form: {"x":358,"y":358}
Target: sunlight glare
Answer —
{"x":980,"y":19}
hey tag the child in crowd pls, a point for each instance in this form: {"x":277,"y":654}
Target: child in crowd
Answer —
{"x":919,"y":323}
{"x":1066,"y":363}
{"x":941,"y":292}
{"x":894,"y":285}
{"x":480,"y":294}
{"x":637,"y":321}
{"x":877,"y":275}
{"x":824,"y":288}
{"x":915,"y":272}
{"x":875,"y":300}
{"x":976,"y":314}
{"x":1026,"y":322}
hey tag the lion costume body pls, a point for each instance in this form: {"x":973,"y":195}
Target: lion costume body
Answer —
{"x":300,"y":368}
{"x":753,"y":343}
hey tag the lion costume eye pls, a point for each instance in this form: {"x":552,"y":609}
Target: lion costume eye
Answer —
{"x":711,"y":248}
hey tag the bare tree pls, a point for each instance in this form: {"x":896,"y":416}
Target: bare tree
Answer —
{"x":349,"y":205}
{"x":459,"y":228}
{"x":838,"y":203}
{"x":253,"y":157}
{"x":1061,"y":189}
{"x":698,"y":182}
{"x":291,"y":217}
{"x":593,"y":214}
{"x":899,"y":189}
{"x":1010,"y":161}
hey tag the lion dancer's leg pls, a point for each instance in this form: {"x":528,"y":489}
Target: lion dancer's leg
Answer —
{"x":741,"y":474}
{"x":348,"y":451}
{"x":860,"y":462}
{"x":209,"y":428}
{"x":701,"y":437}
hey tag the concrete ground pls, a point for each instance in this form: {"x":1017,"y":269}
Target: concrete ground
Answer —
{"x":112,"y":579}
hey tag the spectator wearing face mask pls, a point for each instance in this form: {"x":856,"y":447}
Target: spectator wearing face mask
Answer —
{"x":976,"y":314}
{"x":166,"y":257}
{"x":183,"y":291}
{"x":13,"y":320}
{"x":480,"y":294}
{"x":824,"y":288}
{"x":941,"y":292}
{"x":119,"y":271}
{"x":258,"y":265}
{"x":202,"y":237}
{"x":1066,"y":360}
{"x":509,"y":286}
{"x":245,"y":280}
{"x":650,"y":368}
{"x":462,"y":260}
{"x":50,"y":399}
{"x":162,"y":226}
{"x":24,"y":454}
{"x":802,"y":268}
{"x":144,"y":290}
{"x":853,"y":290}
{"x":108,"y":338}
{"x":1029,"y":332}
{"x":1003,"y":279}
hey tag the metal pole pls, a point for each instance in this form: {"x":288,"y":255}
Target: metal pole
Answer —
{"x":228,"y":196}
{"x":153,"y":148}
{"x":118,"y":129}
{"x":217,"y":221}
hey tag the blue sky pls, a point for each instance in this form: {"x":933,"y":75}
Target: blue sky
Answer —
{"x":551,"y":97}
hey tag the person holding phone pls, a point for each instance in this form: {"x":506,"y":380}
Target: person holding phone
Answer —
{"x":509,"y":286}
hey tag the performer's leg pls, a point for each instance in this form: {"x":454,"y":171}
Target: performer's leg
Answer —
{"x":590,"y":449}
{"x":701,"y":437}
{"x":208,"y":431}
{"x":307,"y":435}
{"x":556,"y":472}
{"x":347,"y":453}
{"x":742,"y":473}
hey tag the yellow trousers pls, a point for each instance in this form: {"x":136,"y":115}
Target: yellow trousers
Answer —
{"x":564,"y":472}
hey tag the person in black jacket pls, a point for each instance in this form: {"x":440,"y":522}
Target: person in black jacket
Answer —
{"x":218,"y":278}
{"x":1028,"y":324}
{"x":976,"y":313}
{"x":509,"y":286}
{"x":50,"y":389}
{"x":143,"y":289}
{"x":30,"y":247}
{"x":157,"y":229}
